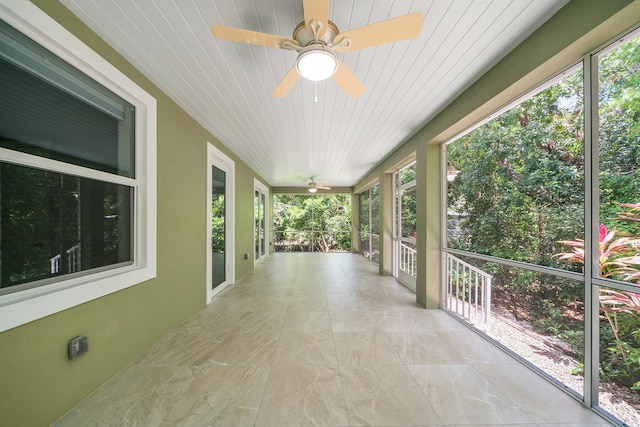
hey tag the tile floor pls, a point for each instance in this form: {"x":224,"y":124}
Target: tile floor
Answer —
{"x":322,"y":340}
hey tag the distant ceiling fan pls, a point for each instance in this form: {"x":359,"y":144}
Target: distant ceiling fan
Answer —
{"x":317,"y":40}
{"x":314,"y":186}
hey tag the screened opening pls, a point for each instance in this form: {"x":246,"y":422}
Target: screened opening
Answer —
{"x":618,"y":238}
{"x":312,"y":223}
{"x":518,"y":196}
{"x":520,"y":256}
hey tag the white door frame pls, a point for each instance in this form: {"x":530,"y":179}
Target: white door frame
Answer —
{"x":221,"y":161}
{"x":262,"y":190}
{"x":403,"y":277}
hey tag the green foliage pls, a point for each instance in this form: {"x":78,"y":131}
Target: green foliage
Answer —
{"x":520,"y":185}
{"x":319,"y":223}
{"x":217,"y":223}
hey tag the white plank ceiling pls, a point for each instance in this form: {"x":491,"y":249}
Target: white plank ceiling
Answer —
{"x":226,"y":86}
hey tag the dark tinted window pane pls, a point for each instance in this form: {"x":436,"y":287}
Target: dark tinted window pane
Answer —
{"x":49,"y":109}
{"x":53,"y":224}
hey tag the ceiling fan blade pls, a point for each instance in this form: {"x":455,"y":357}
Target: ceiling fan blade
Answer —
{"x":286,"y":84}
{"x":347,"y":81}
{"x":323,"y":187}
{"x":392,"y":30}
{"x":318,"y":10}
{"x":247,"y":36}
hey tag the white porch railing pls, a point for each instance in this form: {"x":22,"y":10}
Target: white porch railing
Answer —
{"x":407,"y":260}
{"x":73,"y":260}
{"x":468,"y":292}
{"x":55,"y":263}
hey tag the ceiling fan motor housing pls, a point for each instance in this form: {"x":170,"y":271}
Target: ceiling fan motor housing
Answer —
{"x":305,"y":37}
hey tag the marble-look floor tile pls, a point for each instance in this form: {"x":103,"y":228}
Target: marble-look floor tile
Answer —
{"x":182,"y":348}
{"x":260,"y":321}
{"x":230,"y":304}
{"x":305,"y":290}
{"x":460,"y":395}
{"x":353,"y":321}
{"x":245,"y":348}
{"x":544,"y":402}
{"x":254,"y":291}
{"x":348,"y":303}
{"x":416,"y":320}
{"x":267,"y":303}
{"x":365,"y":348}
{"x":424,"y":349}
{"x":221,"y":396}
{"x":299,"y":395}
{"x":137,"y":396}
{"x":597,"y":424}
{"x":494,"y":425}
{"x":306,"y":348}
{"x":474,"y":348}
{"x":211,"y":321}
{"x":261,"y":355}
{"x":307,"y":321}
{"x":385,"y":395}
{"x":307,"y":304}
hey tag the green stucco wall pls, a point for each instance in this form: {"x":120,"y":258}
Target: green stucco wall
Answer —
{"x":38,"y":383}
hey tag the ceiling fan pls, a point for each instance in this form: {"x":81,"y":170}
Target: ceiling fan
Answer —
{"x":314,"y":186}
{"x":317,"y":40}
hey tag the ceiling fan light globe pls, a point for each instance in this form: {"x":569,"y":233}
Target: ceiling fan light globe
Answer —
{"x":312,"y":189}
{"x":316,"y":64}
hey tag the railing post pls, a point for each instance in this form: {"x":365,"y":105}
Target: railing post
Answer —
{"x":457,"y":285}
{"x":487,"y":302}
{"x":450,"y":280}
{"x":476,"y":296}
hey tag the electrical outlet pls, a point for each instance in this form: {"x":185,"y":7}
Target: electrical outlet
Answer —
{"x":78,"y":346}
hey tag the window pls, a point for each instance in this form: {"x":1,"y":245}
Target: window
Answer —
{"x":77,"y":172}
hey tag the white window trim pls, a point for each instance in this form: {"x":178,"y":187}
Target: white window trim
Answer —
{"x":28,"y":305}
{"x":218,"y":159}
